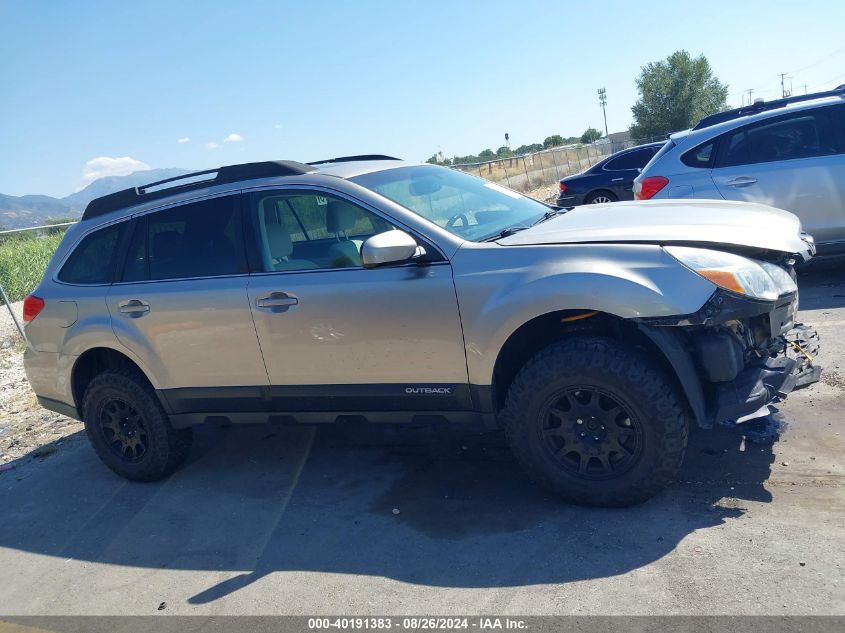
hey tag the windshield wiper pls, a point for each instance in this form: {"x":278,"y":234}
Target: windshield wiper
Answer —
{"x":504,"y":233}
{"x":548,"y":215}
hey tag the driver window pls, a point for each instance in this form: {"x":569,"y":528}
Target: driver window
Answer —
{"x":310,"y":231}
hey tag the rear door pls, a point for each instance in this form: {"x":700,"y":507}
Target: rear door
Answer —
{"x":794,"y":162}
{"x":181,"y":306}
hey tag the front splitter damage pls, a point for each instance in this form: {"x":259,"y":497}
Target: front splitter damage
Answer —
{"x":755,"y":388}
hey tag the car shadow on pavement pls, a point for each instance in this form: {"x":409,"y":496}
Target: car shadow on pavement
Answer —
{"x":435,"y":506}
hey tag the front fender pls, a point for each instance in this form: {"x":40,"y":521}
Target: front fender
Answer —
{"x":500,"y":288}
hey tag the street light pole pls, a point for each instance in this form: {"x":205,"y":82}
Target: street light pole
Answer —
{"x":603,"y":101}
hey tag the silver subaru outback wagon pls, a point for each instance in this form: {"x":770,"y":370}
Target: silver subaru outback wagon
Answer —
{"x":371,"y":288}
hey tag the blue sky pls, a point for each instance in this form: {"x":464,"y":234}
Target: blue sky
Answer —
{"x":93,"y":88}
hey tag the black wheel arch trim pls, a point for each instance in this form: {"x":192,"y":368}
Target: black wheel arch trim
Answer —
{"x":681,"y":361}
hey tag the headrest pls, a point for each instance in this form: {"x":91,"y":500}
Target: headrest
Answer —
{"x":278,"y":239}
{"x":340,"y":217}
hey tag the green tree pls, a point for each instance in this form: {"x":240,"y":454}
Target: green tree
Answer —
{"x":486,"y":154}
{"x":590,"y":134}
{"x":555,"y":140}
{"x":504,"y":152}
{"x":675,"y":94}
{"x":528,"y":149}
{"x":433,"y":160}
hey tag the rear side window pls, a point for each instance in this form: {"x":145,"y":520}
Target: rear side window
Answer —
{"x":804,"y":134}
{"x":93,"y":260}
{"x":199,"y":239}
{"x":632,"y":160}
{"x":701,"y":156}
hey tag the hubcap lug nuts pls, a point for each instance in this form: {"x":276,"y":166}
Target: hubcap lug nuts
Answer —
{"x":583,"y":435}
{"x":579,"y":421}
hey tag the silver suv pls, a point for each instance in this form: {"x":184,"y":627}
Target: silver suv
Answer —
{"x":788,"y":153}
{"x":368,"y":288}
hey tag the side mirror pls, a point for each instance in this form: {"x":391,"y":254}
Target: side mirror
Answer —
{"x":388,"y":248}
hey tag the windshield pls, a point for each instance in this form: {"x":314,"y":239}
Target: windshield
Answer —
{"x":469,"y":207}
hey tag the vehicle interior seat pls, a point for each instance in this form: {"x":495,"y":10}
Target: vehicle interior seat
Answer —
{"x":340,"y":219}
{"x":278,"y":246}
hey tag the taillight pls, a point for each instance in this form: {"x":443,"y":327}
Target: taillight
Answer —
{"x":648,"y":186}
{"x":32,"y":306}
{"x":563,"y":187}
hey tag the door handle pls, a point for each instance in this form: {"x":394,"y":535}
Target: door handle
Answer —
{"x":741,"y":181}
{"x":276,"y":301}
{"x":617,"y":180}
{"x":133,"y":308}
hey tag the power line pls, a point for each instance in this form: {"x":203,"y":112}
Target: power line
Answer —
{"x":823,"y":59}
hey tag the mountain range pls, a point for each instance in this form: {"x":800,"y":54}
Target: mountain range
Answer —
{"x":17,"y":212}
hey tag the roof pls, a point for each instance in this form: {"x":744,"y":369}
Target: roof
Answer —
{"x":344,"y":167}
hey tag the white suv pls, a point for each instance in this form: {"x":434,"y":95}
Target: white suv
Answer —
{"x":788,"y":153}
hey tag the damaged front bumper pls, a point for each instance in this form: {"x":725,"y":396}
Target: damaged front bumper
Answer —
{"x":734,"y":357}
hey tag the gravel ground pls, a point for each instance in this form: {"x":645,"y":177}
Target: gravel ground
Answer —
{"x":25,"y":427}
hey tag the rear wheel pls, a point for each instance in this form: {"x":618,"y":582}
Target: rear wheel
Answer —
{"x":596,"y":422}
{"x":600,"y":197}
{"x":129,"y":429}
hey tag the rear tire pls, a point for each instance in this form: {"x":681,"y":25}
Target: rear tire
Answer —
{"x":596,"y":422}
{"x":601,"y":197}
{"x":130,"y":430}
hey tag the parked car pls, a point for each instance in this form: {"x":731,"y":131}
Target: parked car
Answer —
{"x":368,"y":288}
{"x":788,"y":153}
{"x":608,"y":180}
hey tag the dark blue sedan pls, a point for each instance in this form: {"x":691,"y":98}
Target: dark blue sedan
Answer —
{"x":609,"y":180}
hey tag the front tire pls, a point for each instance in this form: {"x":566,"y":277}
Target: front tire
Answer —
{"x":596,"y":422}
{"x":129,"y":429}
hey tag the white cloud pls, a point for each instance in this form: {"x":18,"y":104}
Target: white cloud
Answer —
{"x":211,"y":145}
{"x":233,"y":138}
{"x":184,"y":140}
{"x":103,"y":166}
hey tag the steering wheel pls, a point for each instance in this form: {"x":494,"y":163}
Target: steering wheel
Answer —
{"x":453,"y":221}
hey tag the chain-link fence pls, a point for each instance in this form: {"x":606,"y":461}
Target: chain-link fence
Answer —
{"x":537,"y":174}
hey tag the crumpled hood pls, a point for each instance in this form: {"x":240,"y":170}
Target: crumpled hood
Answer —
{"x":663,"y":222}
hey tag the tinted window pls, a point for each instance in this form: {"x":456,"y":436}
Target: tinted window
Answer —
{"x":801,"y":135}
{"x":308,"y":231}
{"x":701,"y":156}
{"x":200,"y":239}
{"x":632,"y":160}
{"x":92,"y":261}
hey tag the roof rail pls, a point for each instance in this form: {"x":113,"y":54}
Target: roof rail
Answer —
{"x":229,"y":173}
{"x":762,"y":106}
{"x":350,"y":159}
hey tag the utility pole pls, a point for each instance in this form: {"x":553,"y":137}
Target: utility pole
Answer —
{"x":603,"y":101}
{"x":750,"y":92}
{"x":805,"y":88}
{"x":783,"y":91}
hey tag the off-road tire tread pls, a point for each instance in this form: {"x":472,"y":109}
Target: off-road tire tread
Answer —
{"x":649,"y":387}
{"x":169,"y":448}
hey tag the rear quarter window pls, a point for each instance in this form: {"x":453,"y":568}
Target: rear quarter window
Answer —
{"x":93,"y":259}
{"x":700,"y":156}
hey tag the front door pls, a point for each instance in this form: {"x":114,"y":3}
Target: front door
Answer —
{"x":338,"y":337}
